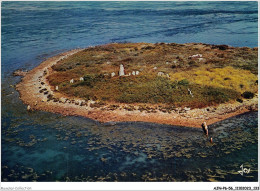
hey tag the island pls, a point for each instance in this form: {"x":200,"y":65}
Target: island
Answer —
{"x":167,"y":83}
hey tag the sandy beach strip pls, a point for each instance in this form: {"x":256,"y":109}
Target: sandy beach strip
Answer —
{"x":35,"y":79}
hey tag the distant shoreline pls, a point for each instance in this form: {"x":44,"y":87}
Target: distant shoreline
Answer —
{"x":34,"y":80}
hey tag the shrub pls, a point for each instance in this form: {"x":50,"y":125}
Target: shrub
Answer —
{"x":192,"y":62}
{"x":183,"y":82}
{"x":219,"y":95}
{"x":248,"y":95}
{"x":227,"y":79}
{"x":88,"y":80}
{"x":239,"y":100}
{"x":220,"y":47}
{"x":173,"y":66}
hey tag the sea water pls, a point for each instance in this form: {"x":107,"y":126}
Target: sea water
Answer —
{"x":42,"y":146}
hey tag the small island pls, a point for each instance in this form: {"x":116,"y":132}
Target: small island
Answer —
{"x":167,"y":83}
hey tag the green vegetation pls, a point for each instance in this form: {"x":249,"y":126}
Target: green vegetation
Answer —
{"x":222,"y":74}
{"x":248,"y":95}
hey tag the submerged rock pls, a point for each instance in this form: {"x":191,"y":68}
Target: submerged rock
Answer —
{"x":29,"y":108}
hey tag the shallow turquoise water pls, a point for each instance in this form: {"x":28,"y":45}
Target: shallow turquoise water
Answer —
{"x":41,"y":146}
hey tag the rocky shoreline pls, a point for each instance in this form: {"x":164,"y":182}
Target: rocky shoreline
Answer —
{"x":36,"y":92}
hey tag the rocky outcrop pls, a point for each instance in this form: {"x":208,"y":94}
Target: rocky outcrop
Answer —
{"x":20,"y":72}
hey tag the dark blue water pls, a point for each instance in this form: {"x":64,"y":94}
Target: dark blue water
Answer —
{"x":42,"y":146}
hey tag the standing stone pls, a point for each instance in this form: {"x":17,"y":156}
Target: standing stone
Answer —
{"x":133,"y":73}
{"x":136,"y":72}
{"x":71,"y":81}
{"x":129,"y":74}
{"x":81,"y":79}
{"x":121,"y":70}
{"x":57,"y":88}
{"x":113,"y":74}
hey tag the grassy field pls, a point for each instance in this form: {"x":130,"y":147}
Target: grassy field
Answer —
{"x":218,"y":75}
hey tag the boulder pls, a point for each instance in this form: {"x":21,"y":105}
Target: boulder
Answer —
{"x":160,"y":74}
{"x":45,"y":72}
{"x":196,"y":56}
{"x":201,"y":59}
{"x":29,"y":108}
{"x":113,"y":74}
{"x":71,"y":81}
{"x":63,"y":100}
{"x":186,"y":108}
{"x":205,"y":128}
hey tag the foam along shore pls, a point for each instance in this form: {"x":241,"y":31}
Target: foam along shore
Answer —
{"x":38,"y":94}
